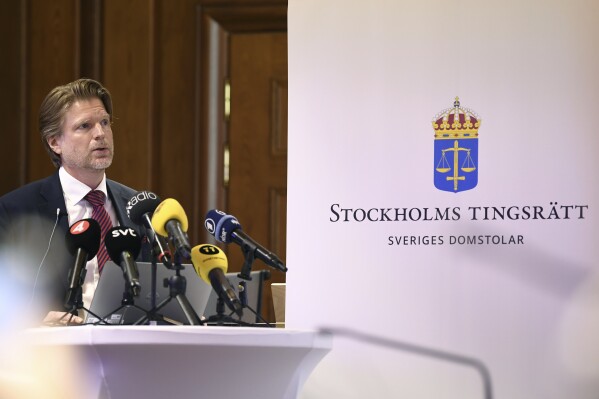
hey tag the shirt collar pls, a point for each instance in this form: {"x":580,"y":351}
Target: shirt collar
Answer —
{"x":74,"y":189}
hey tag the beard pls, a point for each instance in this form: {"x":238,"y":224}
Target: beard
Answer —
{"x":92,"y":160}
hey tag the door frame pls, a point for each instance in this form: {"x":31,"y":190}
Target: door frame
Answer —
{"x":215,"y":25}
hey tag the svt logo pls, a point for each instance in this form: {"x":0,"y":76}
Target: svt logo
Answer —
{"x":124,"y":232}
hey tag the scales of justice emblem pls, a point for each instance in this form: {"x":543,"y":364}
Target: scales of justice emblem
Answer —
{"x":456,"y":148}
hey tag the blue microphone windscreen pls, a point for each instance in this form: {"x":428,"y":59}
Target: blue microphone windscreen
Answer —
{"x":221,"y":225}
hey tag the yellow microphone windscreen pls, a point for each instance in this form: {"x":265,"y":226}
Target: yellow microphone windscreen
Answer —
{"x":168,"y":209}
{"x":205,"y":258}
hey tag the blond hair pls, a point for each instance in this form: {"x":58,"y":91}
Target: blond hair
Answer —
{"x":57,"y":103}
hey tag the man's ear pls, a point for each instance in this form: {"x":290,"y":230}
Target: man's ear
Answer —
{"x":54,"y":143}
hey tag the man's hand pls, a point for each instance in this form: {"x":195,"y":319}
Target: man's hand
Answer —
{"x":61,"y":319}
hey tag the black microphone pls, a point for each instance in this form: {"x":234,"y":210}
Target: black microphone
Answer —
{"x":140,"y":209}
{"x":83,"y":241}
{"x":210,"y":263}
{"x":123,"y":245}
{"x":225,"y":228}
{"x":170,"y":220}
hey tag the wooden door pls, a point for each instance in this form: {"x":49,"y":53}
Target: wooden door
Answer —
{"x":242,"y":126}
{"x":257,"y":146}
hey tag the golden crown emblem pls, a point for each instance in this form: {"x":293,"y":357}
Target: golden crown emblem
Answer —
{"x":456,"y":123}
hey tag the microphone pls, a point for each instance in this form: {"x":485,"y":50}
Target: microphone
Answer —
{"x":210,"y":263}
{"x":83,"y":241}
{"x":59,"y":213}
{"x":170,"y":220}
{"x":139,"y":209}
{"x":123,"y":245}
{"x":225,"y":228}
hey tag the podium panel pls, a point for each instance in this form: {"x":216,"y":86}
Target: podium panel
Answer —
{"x":125,"y":362}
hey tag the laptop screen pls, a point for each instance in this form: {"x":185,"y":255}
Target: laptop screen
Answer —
{"x":114,"y":307}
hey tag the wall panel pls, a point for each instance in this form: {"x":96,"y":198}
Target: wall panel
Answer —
{"x":127,"y":66}
{"x":11,"y":102}
{"x":176,"y":106}
{"x":51,"y":61}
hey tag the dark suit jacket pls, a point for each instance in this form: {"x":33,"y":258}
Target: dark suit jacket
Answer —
{"x":27,"y":218}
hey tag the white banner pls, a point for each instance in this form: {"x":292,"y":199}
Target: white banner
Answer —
{"x":442,"y":194}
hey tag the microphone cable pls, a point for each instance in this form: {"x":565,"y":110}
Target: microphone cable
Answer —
{"x":39,"y":269}
{"x":420,"y":350}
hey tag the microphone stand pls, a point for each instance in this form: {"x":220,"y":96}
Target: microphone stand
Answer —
{"x":126,"y":302}
{"x":151,"y":315}
{"x":177,"y":285}
{"x":156,"y":250}
{"x":248,"y":250}
{"x":221,"y":319}
{"x":243,"y":298}
{"x":74,"y":300}
{"x":153,"y":294}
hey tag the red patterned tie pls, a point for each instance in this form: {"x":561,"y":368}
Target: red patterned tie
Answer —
{"x":96,"y":198}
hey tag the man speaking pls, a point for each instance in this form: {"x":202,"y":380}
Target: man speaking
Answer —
{"x":75,"y":124}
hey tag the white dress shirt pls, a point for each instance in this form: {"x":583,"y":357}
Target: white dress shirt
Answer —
{"x":78,"y":208}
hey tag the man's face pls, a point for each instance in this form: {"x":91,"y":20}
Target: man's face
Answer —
{"x":86,"y":140}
